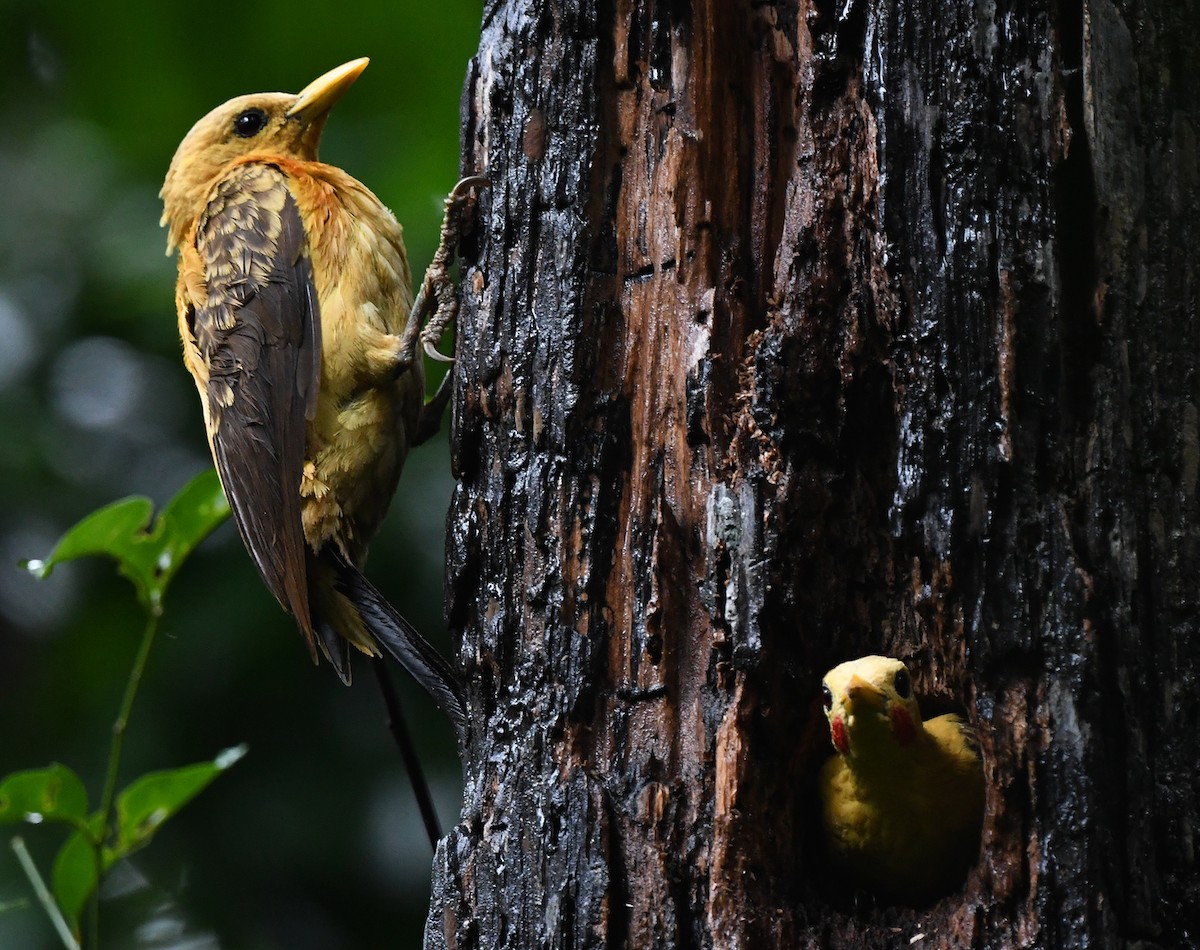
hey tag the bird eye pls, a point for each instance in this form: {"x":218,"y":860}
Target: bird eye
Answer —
{"x":826,"y":696}
{"x":249,"y":123}
{"x":903,"y":684}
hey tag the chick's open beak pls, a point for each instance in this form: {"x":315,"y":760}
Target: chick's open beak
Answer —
{"x":319,"y":96}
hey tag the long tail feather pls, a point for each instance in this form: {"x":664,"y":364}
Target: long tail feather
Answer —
{"x":401,"y":639}
{"x":399,"y":727}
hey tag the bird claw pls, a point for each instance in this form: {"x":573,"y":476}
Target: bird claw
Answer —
{"x":463,"y":186}
{"x":434,"y":353}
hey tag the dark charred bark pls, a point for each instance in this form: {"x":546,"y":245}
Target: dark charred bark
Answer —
{"x":801,"y":331}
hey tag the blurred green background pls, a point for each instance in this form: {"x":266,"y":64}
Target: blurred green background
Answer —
{"x":313,"y":840}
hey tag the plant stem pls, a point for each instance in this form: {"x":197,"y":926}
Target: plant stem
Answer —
{"x":108,"y":798}
{"x":43,"y":894}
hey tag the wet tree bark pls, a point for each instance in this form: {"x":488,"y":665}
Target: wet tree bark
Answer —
{"x":797,"y":331}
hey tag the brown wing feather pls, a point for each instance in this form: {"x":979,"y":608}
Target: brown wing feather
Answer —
{"x":259,"y":334}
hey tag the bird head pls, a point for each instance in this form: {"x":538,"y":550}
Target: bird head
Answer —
{"x":869,"y":703}
{"x":270,"y":124}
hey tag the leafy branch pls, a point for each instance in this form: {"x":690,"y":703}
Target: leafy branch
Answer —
{"x":148,"y":551}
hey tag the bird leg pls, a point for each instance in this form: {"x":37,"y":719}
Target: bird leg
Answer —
{"x":437,"y":286}
{"x":438,"y":293}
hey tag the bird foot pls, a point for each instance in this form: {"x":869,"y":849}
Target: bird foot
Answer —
{"x":437,"y":291}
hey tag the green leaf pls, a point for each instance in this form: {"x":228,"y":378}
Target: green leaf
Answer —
{"x":147,"y":554}
{"x":74,"y":876}
{"x":156,"y":796}
{"x":141,"y":809}
{"x":49,"y":794}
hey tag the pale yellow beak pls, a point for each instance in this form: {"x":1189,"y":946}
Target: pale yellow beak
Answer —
{"x":858,"y":691}
{"x":319,"y":96}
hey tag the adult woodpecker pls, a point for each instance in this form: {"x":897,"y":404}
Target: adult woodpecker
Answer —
{"x":300,"y":330}
{"x":902,"y":800}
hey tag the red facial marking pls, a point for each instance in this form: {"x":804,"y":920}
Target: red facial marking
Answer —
{"x":902,"y":725}
{"x":837,"y":729}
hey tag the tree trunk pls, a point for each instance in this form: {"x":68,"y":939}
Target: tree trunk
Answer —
{"x":800,"y":331}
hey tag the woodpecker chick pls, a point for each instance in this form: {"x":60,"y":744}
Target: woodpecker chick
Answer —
{"x":902,"y":799}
